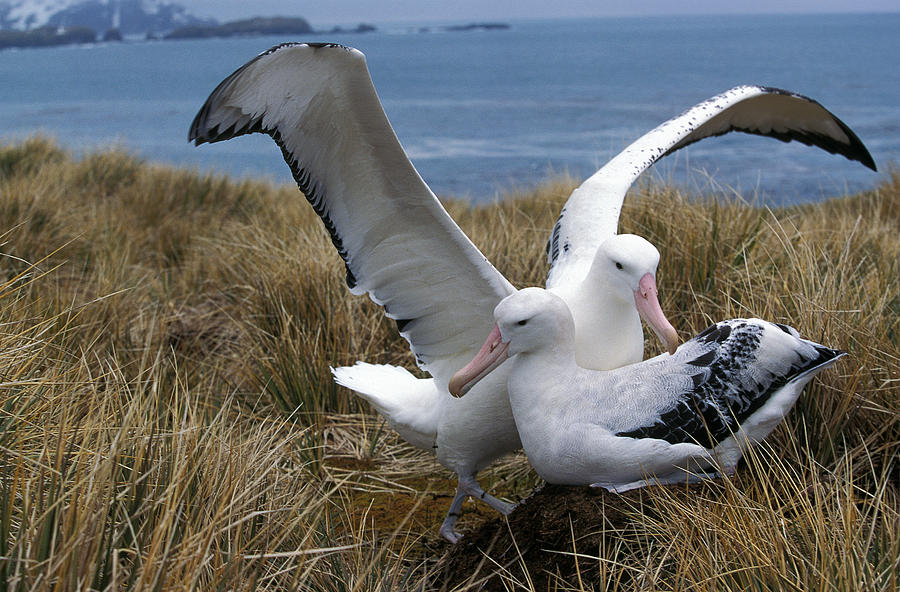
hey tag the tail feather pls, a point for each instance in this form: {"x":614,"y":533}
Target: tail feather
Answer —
{"x":410,"y":405}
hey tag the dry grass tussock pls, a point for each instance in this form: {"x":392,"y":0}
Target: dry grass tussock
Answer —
{"x":167,"y":419}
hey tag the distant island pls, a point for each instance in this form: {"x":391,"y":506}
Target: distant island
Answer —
{"x":360,"y":28}
{"x":54,"y":34}
{"x":277,"y":25}
{"x":477,"y":27}
{"x":464,"y":28}
{"x":48,"y":23}
{"x":47,"y":36}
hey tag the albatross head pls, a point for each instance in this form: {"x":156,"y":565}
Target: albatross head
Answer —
{"x":626,"y":265}
{"x":532,"y":319}
{"x":527,"y":321}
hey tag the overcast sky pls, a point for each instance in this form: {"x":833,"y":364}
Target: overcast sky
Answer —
{"x":380,"y":11}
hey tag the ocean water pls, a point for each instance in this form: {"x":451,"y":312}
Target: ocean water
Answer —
{"x":482,"y":112}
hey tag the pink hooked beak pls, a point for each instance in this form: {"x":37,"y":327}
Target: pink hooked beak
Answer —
{"x":647,"y":303}
{"x":492,"y":354}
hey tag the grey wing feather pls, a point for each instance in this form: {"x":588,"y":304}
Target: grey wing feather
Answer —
{"x":398,"y":243}
{"x":735,"y":366}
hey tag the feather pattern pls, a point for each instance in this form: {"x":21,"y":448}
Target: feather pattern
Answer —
{"x":731,"y":376}
{"x":591,"y":214}
{"x":397,"y":241}
{"x":651,"y":422}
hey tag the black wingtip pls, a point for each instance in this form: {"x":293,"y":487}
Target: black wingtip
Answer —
{"x":857,"y":150}
{"x":826,"y":354}
{"x":201,"y":133}
{"x":853,"y":150}
{"x":194,"y":131}
{"x":870,"y":162}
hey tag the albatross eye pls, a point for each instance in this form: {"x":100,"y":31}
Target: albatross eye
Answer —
{"x":618,"y":265}
{"x":522,"y":323}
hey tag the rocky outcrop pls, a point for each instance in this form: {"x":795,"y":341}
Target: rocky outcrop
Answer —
{"x":277,"y":25}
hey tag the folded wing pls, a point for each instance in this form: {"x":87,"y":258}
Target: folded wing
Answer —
{"x":734,"y":367}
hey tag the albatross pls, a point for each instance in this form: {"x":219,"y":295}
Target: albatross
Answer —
{"x":401,"y":247}
{"x":671,"y":419}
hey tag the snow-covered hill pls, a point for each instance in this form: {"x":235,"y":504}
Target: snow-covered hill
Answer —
{"x":129,"y":16}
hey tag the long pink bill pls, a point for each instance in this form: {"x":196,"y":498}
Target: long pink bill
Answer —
{"x":491,"y":355}
{"x":647,"y":303}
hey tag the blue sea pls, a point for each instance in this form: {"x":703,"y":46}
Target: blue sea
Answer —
{"x":483,"y":112}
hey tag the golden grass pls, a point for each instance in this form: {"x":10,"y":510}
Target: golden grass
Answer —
{"x":168,"y":422}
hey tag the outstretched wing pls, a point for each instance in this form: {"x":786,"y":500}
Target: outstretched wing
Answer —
{"x":591,"y":214}
{"x":318,"y":103}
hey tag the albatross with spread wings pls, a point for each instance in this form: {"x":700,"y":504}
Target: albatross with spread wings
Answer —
{"x":400,"y":246}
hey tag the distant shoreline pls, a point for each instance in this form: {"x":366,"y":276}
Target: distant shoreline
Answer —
{"x":48,"y":36}
{"x":51,"y":36}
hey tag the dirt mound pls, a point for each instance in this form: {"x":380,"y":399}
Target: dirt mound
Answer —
{"x":545,"y":533}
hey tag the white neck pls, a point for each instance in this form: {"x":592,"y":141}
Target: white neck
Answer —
{"x":540,"y":386}
{"x":535,"y":377}
{"x":608,"y":332}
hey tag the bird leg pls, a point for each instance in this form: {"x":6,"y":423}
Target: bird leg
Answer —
{"x":448,"y":530}
{"x":471,"y":486}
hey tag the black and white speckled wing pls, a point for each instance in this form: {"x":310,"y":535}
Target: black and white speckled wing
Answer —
{"x":734,"y":368}
{"x":318,"y":103}
{"x":591,"y":214}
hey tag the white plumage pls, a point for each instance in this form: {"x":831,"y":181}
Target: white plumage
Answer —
{"x":673,"y":418}
{"x":401,"y":247}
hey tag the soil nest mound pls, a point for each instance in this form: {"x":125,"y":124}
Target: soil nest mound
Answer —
{"x":550,"y":539}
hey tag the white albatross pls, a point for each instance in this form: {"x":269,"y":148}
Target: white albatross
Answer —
{"x":673,"y":418}
{"x":400,"y":246}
